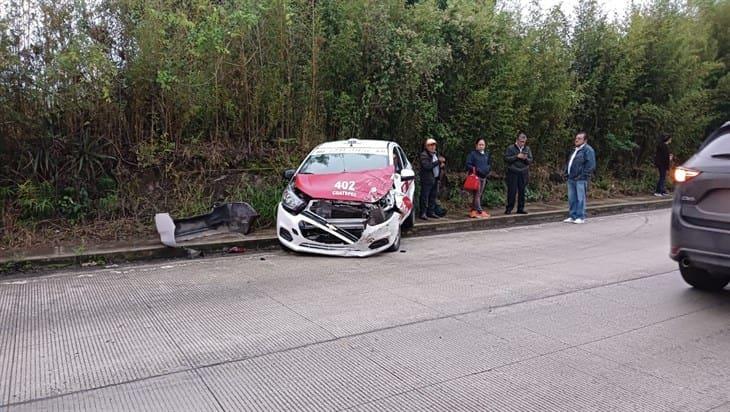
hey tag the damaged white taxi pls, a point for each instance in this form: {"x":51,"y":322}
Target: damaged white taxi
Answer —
{"x":347,"y":198}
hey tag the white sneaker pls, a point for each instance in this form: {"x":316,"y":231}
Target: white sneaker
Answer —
{"x":579,"y":221}
{"x":569,"y":220}
{"x":658,"y":195}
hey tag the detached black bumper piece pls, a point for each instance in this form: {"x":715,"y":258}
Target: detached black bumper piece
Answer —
{"x":236,"y":217}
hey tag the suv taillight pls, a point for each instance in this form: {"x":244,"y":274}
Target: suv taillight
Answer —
{"x":684,"y":174}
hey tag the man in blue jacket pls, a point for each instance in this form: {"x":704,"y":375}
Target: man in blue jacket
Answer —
{"x":580,"y":167}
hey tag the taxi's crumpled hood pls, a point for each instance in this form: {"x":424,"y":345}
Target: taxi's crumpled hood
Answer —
{"x":366,"y":186}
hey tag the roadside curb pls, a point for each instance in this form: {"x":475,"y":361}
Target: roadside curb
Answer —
{"x":159,"y":251}
{"x":499,"y":222}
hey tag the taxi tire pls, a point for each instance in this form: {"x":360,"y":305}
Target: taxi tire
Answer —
{"x":287,"y":249}
{"x":410,"y":220}
{"x":396,"y":245}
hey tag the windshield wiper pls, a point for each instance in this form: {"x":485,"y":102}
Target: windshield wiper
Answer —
{"x":722,"y":156}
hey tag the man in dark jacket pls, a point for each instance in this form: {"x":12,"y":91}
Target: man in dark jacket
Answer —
{"x":580,"y":167}
{"x":518,"y":158}
{"x":662,"y":161}
{"x":431,"y":164}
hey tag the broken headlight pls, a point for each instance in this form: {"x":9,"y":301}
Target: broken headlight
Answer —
{"x":387,"y":202}
{"x":382,"y":210}
{"x":292,"y":201}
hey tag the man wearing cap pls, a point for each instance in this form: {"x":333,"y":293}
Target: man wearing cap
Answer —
{"x":431,"y":165}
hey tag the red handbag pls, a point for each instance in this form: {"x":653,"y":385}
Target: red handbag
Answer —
{"x":471,"y":184}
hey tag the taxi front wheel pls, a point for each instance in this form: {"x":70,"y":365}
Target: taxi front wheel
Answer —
{"x":396,"y":245}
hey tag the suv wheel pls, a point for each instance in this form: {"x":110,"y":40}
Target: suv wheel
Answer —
{"x":702,"y":279}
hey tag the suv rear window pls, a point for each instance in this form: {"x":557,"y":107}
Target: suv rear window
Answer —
{"x":327,"y":163}
{"x":718,"y":147}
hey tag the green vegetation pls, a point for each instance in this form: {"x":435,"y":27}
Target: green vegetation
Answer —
{"x":113,"y":110}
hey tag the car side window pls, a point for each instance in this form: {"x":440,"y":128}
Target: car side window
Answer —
{"x":402,"y":155}
{"x":397,"y":161}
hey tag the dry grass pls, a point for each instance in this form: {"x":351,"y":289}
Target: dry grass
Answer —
{"x":20,"y":235}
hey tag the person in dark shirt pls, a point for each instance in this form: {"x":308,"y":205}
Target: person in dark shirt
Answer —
{"x":431,"y":165}
{"x":518,"y":158}
{"x":662,"y":161}
{"x":480,"y":162}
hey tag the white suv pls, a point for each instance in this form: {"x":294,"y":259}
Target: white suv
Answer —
{"x":348,"y":198}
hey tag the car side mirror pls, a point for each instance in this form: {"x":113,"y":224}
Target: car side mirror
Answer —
{"x":407,"y":174}
{"x":288,"y":174}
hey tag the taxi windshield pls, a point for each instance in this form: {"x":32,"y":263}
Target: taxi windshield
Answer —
{"x":326,"y":163}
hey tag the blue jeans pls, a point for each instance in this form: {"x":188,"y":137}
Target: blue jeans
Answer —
{"x":577,"y":198}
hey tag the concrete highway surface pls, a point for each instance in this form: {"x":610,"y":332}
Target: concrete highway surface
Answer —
{"x":556,"y":317}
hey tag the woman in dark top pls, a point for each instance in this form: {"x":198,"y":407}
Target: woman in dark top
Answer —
{"x":662,"y":161}
{"x":480,"y":162}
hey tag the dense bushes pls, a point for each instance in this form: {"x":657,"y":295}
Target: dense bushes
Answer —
{"x":120,"y":108}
